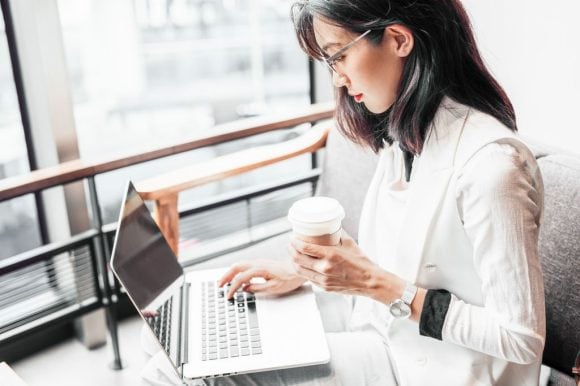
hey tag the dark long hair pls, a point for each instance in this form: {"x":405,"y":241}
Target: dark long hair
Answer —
{"x":444,"y":61}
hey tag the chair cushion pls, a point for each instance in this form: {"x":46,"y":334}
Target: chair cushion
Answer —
{"x":560,"y":255}
{"x":560,"y":379}
{"x":347,"y":172}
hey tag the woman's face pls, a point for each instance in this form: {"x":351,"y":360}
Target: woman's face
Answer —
{"x":370,"y":73}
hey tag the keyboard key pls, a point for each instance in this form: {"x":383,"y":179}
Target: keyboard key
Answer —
{"x":244,"y":344}
{"x":255,"y":338}
{"x":245,"y":352}
{"x":212,"y":357}
{"x":257,"y":351}
{"x":234,"y":352}
{"x":256,"y":344}
{"x":204,"y":357}
{"x":254,"y":331}
{"x":224,"y":353}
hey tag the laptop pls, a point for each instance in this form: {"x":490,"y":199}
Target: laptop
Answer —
{"x":203,"y":333}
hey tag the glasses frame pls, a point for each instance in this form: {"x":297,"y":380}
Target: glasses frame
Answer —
{"x":331,"y":60}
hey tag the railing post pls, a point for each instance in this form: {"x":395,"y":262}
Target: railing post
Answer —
{"x":110,"y":302}
{"x":167,"y":218}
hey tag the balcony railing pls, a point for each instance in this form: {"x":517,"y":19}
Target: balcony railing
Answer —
{"x":59,"y":282}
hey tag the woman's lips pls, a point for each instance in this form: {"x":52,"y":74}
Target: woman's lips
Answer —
{"x":358,"y":97}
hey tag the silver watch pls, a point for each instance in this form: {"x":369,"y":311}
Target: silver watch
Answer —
{"x":401,"y":308}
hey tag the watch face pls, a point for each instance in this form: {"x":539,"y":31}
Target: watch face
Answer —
{"x":400,"y":310}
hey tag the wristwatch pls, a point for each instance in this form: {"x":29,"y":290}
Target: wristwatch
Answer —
{"x":401,"y":308}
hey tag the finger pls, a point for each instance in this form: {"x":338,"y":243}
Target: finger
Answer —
{"x":345,"y":238}
{"x":307,"y":248}
{"x":308,"y":262}
{"x":309,"y":274}
{"x":232,"y":272}
{"x":259,"y":287}
{"x":320,"y":265}
{"x":245,"y":277}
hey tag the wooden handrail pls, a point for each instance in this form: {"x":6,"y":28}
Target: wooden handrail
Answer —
{"x":78,"y":169}
{"x":165,"y":188}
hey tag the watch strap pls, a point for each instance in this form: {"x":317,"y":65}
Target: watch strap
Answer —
{"x":409,"y":293}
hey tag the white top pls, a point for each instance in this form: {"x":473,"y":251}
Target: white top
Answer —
{"x":474,"y":201}
{"x":390,"y":210}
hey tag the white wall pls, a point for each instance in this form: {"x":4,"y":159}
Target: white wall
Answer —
{"x":533,"y":49}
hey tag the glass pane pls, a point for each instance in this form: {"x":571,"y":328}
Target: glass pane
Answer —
{"x":148,"y":73}
{"x":18,"y":226}
{"x":13,"y":160}
{"x":18,"y":222}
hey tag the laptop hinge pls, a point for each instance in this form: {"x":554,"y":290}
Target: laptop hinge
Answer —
{"x":184,"y":328}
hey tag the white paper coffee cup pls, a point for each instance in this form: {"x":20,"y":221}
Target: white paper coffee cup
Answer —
{"x":317,"y":220}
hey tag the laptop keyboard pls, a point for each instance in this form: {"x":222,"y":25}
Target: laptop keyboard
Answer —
{"x":161,"y":324}
{"x":229,"y":327}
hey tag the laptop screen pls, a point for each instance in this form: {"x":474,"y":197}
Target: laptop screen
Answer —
{"x":142,"y":258}
{"x":146,"y":266}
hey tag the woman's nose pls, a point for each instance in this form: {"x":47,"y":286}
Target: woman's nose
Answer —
{"x":339,"y":80}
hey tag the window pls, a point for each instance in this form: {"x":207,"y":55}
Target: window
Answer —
{"x":13,"y":159}
{"x":148,"y":73}
{"x":18,"y":229}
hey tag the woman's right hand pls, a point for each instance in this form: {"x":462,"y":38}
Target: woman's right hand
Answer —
{"x":280,"y":277}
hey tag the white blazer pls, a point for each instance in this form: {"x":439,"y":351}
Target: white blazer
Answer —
{"x":494,"y":330}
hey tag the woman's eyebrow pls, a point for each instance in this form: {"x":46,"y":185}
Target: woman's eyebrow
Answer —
{"x":329,"y":45}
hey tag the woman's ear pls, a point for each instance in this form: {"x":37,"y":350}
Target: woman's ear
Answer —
{"x":400,"y":38}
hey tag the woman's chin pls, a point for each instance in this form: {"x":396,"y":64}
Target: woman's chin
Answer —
{"x":377,"y":109}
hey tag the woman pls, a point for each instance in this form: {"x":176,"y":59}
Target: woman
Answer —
{"x":446,"y":279}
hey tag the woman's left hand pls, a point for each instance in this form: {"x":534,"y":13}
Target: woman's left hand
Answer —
{"x":344,"y":268}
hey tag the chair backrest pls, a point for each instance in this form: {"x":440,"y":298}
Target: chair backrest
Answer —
{"x":560,"y":254}
{"x":347,"y":172}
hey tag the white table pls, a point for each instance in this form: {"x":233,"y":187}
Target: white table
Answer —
{"x":8,"y":377}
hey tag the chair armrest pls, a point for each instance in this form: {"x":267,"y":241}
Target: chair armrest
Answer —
{"x":164,"y":189}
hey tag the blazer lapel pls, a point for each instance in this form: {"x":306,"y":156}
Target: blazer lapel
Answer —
{"x":428,"y":187}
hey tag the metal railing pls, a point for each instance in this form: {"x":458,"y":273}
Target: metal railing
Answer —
{"x":62,"y":281}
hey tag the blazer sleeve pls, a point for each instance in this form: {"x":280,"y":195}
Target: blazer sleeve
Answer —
{"x":500,"y":201}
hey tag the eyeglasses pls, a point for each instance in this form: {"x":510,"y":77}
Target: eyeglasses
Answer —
{"x":333,"y":59}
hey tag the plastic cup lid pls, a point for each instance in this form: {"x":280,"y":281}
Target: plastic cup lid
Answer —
{"x":316,"y":210}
